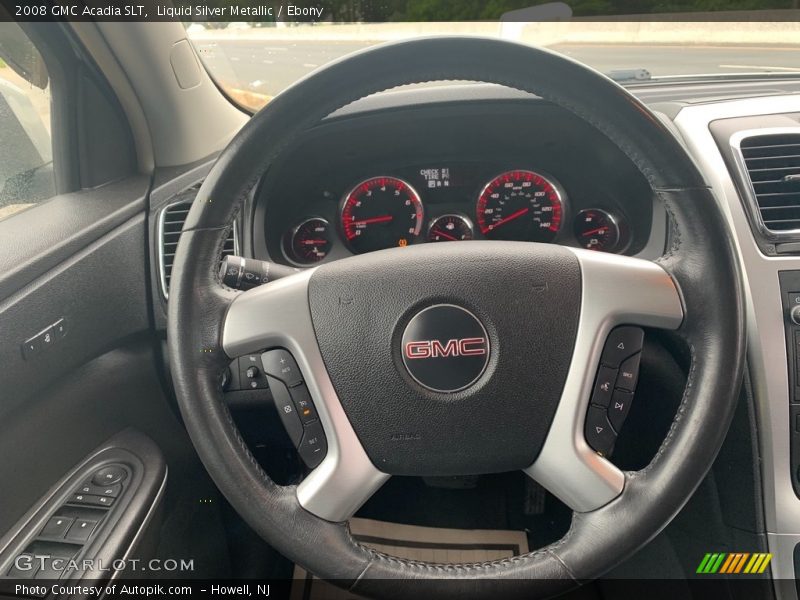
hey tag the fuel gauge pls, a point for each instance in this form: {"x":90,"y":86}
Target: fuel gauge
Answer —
{"x":597,"y":229}
{"x":450,"y":228}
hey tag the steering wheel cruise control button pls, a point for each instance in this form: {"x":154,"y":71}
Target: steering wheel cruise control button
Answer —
{"x":604,"y":386}
{"x":295,"y":406}
{"x":622,"y":343}
{"x":314,"y":446}
{"x":286,"y":410}
{"x":109,"y":475}
{"x":629,"y":373}
{"x":280,"y":364}
{"x":598,"y":431}
{"x":302,"y":401}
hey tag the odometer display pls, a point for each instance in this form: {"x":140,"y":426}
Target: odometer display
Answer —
{"x":520,"y":205}
{"x":382,"y":212}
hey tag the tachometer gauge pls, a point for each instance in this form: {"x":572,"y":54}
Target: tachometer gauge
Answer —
{"x":309,"y":242}
{"x":381,"y":212}
{"x":596,"y":229}
{"x":450,"y":228}
{"x":520,"y":205}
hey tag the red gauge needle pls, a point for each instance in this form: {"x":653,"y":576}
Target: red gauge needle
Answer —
{"x":510,"y":217}
{"x":309,"y":242}
{"x":383,"y":219}
{"x":593,"y":231}
{"x":445,"y":235}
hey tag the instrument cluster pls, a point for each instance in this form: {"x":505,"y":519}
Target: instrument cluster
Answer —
{"x":450,"y":204}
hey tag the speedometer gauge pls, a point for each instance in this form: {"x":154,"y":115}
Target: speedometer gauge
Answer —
{"x":381,"y":212}
{"x":520,"y":205}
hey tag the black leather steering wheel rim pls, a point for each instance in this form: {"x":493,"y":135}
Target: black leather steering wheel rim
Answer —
{"x":700,"y":259}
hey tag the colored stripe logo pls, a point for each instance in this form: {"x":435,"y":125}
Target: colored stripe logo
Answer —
{"x":734,"y":563}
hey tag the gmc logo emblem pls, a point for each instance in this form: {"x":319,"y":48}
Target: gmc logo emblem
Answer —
{"x":474,"y":346}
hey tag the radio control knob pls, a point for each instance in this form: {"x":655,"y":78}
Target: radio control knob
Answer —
{"x":794,"y":315}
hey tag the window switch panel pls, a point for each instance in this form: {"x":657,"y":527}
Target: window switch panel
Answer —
{"x":112,"y":491}
{"x":90,"y":500}
{"x":56,"y":527}
{"x":81,"y":530}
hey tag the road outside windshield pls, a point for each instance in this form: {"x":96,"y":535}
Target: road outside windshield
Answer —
{"x":254,"y":62}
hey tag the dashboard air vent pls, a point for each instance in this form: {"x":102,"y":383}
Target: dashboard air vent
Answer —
{"x":170,"y":226}
{"x":773,"y":166}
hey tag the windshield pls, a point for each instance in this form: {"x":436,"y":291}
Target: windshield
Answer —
{"x":253,"y":62}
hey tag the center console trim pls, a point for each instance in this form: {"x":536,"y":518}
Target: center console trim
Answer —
{"x":766,"y":350}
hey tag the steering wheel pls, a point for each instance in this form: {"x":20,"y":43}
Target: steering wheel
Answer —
{"x":525,"y":323}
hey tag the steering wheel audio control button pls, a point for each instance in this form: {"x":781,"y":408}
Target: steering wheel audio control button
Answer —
{"x":280,"y":364}
{"x":314,"y":446}
{"x":619,"y":407}
{"x":622,"y":343}
{"x":629,"y":373}
{"x":286,"y":410}
{"x":613,"y":389}
{"x":599,"y":433}
{"x":604,"y":386}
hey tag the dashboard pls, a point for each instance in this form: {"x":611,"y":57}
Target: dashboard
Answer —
{"x":519,"y":171}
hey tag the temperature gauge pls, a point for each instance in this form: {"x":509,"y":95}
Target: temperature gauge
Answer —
{"x":450,"y":228}
{"x":596,"y":229}
{"x":309,"y":242}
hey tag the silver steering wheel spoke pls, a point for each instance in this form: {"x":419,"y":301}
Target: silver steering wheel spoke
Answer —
{"x":277,"y":315}
{"x":616,"y":290}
